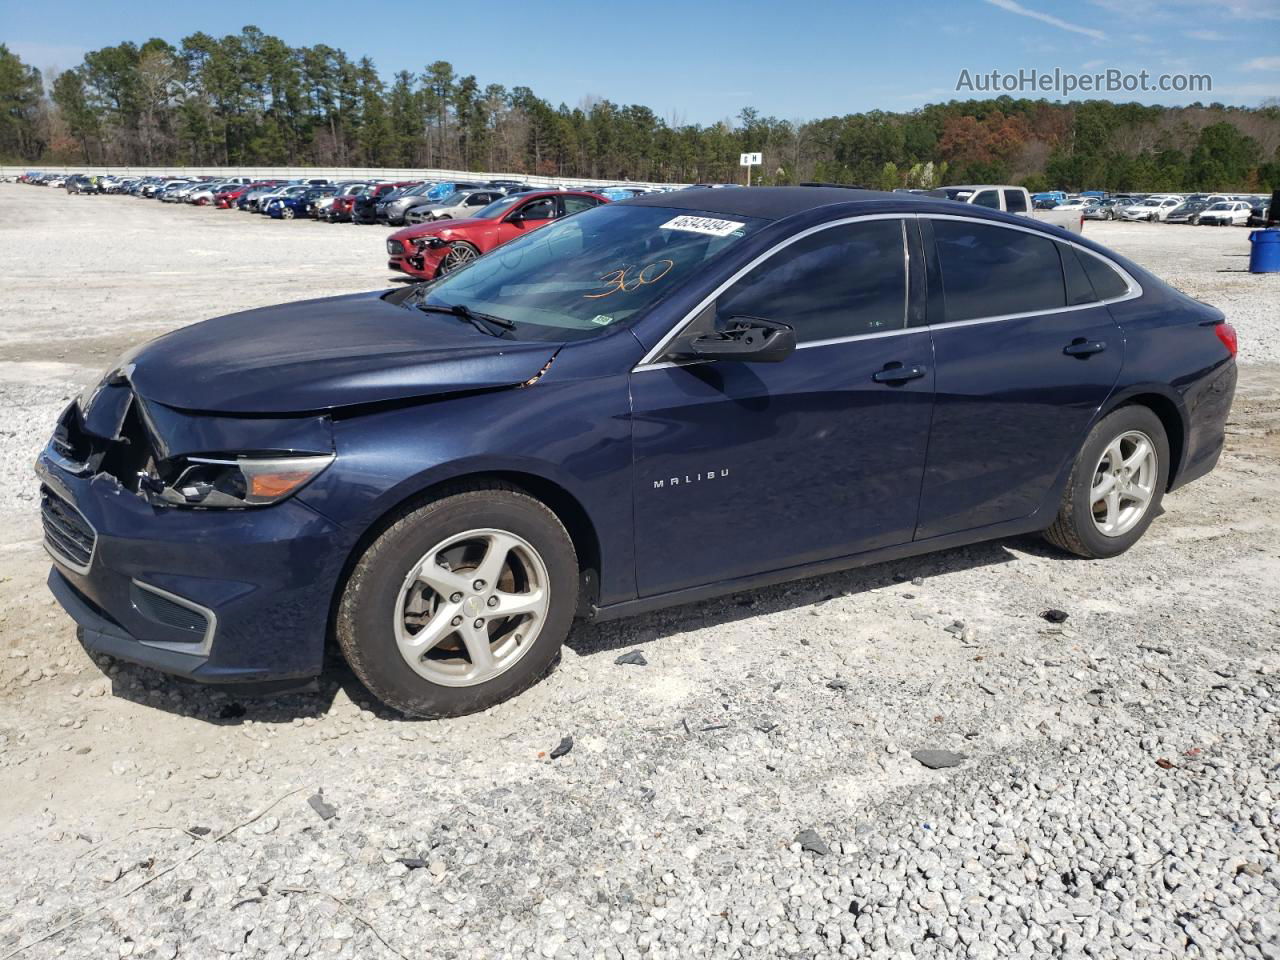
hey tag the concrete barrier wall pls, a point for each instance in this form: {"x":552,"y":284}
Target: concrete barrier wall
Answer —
{"x":331,"y":173}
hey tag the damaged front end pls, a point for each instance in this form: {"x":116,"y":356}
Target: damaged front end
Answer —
{"x":172,"y":458}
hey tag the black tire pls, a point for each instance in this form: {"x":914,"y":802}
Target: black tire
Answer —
{"x":1074,"y":529}
{"x":449,"y":262}
{"x":367,"y":610}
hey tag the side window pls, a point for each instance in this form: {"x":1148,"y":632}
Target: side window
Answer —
{"x":478,"y":200}
{"x":992,"y":271}
{"x":1107,"y":284}
{"x":578,"y":204}
{"x":544,"y":209}
{"x":838,"y":282}
{"x":1079,"y":289}
{"x":1015,"y":201}
{"x":988,"y":198}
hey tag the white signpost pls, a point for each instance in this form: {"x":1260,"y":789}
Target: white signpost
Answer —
{"x":749,"y":160}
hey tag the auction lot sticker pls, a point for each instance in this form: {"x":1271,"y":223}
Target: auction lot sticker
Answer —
{"x":707,"y":225}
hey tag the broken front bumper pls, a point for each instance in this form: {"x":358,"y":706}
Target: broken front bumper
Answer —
{"x":219,"y":596}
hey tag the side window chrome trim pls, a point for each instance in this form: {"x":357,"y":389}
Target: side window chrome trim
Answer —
{"x":874,"y":335}
{"x":1134,"y":291}
{"x":650,"y":360}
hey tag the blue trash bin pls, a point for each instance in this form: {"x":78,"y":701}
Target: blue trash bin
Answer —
{"x":1265,"y":255}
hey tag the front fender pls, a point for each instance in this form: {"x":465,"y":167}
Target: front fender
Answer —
{"x":574,"y":434}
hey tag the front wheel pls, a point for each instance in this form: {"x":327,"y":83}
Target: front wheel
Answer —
{"x":287,"y":213}
{"x":460,"y":604}
{"x":460,"y":254}
{"x":1115,"y":487}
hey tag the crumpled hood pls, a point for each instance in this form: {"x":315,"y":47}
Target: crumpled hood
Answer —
{"x":322,"y":354}
{"x":468,"y":228}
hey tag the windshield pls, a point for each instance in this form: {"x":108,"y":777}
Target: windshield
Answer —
{"x":1221,"y":206}
{"x":455,"y":198}
{"x":572,"y":279}
{"x":497,"y":207}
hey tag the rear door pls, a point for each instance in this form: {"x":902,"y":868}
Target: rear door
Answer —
{"x":742,"y":468}
{"x":1025,"y":353}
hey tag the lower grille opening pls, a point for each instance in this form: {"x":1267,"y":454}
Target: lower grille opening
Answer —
{"x":67,"y":534}
{"x":169,"y":612}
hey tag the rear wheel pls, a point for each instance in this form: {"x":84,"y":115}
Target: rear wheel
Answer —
{"x":460,"y":604}
{"x":1115,"y":487}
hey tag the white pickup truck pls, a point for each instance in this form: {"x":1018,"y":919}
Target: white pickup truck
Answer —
{"x":1011,"y":200}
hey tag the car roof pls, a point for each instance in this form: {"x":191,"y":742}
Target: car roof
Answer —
{"x":771,"y":203}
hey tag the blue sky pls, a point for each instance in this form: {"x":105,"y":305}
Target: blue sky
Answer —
{"x":703,"y":61}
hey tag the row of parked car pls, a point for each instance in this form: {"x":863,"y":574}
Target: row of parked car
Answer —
{"x":348,"y":201}
{"x":1210,"y":209}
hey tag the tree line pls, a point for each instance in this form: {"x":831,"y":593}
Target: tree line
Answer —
{"x":251,"y":99}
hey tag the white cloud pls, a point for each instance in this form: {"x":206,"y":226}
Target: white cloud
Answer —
{"x":1092,"y":64}
{"x":1012,"y":6}
{"x":1263,"y":63}
{"x":1181,"y":10}
{"x":1261,"y":90}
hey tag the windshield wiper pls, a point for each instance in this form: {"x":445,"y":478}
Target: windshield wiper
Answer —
{"x":484,"y":322}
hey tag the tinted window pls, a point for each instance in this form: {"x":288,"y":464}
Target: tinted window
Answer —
{"x":1015,"y":201}
{"x":577,"y":204}
{"x":1079,"y":289}
{"x":993,"y":271}
{"x":1107,"y":284}
{"x":838,"y":282}
{"x":988,"y":198}
{"x":543,"y":209}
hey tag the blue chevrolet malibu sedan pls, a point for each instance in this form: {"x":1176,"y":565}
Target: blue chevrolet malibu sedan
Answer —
{"x":644,"y":404}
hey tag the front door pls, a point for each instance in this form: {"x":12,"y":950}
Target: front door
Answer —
{"x":742,"y":468}
{"x":528,"y":216}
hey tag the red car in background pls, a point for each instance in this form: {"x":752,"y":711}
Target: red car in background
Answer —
{"x":428,"y":250}
{"x":227,"y":198}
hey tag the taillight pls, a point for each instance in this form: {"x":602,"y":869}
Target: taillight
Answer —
{"x":1227,"y":334}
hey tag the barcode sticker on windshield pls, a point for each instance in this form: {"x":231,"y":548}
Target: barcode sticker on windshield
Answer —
{"x":707,"y":225}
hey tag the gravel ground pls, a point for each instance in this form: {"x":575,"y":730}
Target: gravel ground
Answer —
{"x":755,"y":789}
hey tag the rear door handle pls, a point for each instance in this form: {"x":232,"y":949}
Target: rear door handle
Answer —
{"x":896,"y":373}
{"x":1080,"y":347}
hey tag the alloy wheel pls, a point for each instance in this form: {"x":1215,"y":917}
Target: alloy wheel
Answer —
{"x":459,"y":254}
{"x":471,"y":607}
{"x":1124,"y":482}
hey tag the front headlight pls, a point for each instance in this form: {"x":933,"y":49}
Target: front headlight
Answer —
{"x":244,"y":481}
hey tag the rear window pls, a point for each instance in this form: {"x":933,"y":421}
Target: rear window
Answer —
{"x":990,"y":271}
{"x":1015,"y":201}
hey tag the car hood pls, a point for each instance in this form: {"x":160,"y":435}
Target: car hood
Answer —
{"x":466,"y":226}
{"x":322,"y":354}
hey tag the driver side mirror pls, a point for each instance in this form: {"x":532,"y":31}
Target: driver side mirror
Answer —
{"x":747,"y":339}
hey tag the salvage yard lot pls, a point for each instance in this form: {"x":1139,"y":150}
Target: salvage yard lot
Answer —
{"x":1121,"y":780}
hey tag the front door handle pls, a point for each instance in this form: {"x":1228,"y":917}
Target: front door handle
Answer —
{"x":1080,"y":347}
{"x":896,"y":373}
